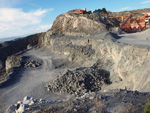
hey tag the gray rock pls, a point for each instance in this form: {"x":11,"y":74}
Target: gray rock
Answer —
{"x":21,"y":108}
{"x":80,"y":81}
{"x":11,"y":109}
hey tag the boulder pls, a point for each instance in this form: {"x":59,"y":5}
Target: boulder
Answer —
{"x":76,"y":24}
{"x":21,"y":108}
{"x":11,"y":109}
{"x":13,"y":61}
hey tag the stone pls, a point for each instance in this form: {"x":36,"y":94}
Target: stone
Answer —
{"x":79,"y":81}
{"x":69,"y":23}
{"x":21,"y":108}
{"x":26,"y":102}
{"x":49,"y":101}
{"x":26,"y":98}
{"x":91,"y":98}
{"x":42,"y":101}
{"x":31,"y":102}
{"x":11,"y":109}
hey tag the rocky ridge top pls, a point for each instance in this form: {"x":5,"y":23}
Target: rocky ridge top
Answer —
{"x":72,"y":23}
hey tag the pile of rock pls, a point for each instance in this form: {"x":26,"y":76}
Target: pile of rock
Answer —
{"x":26,"y":103}
{"x":33,"y":63}
{"x":80,"y":81}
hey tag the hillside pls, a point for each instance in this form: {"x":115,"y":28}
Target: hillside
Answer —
{"x":76,"y":65}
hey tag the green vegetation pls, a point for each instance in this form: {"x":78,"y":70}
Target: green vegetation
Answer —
{"x":89,"y":12}
{"x":147,"y":108}
{"x":103,"y":10}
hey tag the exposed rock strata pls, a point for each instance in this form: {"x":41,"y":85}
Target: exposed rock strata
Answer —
{"x":128,"y":65}
{"x":75,"y":24}
{"x":12,"y":47}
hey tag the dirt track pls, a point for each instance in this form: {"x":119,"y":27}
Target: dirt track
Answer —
{"x":31,"y":81}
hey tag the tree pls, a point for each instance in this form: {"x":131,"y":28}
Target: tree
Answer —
{"x":95,"y":11}
{"x":89,"y":12}
{"x":99,"y":10}
{"x":104,"y":11}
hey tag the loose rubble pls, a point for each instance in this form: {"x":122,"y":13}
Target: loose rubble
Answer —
{"x":25,"y":103}
{"x":80,"y":81}
{"x":120,"y":101}
{"x":33,"y":63}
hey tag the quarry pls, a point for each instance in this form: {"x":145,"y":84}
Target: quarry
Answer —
{"x":86,"y":62}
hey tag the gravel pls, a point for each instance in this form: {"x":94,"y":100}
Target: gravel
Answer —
{"x":80,"y":81}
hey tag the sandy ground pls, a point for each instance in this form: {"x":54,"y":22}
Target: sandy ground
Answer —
{"x":30,"y":81}
{"x":138,"y":39}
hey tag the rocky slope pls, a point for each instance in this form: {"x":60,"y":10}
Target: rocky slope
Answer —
{"x":86,"y":43}
{"x":125,"y":63}
{"x":10,"y":50}
{"x":72,"y":23}
{"x":114,"y":101}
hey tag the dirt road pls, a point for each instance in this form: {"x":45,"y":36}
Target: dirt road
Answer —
{"x":31,"y":81}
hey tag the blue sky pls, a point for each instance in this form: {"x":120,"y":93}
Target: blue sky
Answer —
{"x":24,"y":17}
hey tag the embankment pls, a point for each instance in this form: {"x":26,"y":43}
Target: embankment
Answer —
{"x":128,"y":65}
{"x":9,"y":48}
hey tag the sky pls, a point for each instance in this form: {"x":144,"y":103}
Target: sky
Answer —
{"x":24,"y":17}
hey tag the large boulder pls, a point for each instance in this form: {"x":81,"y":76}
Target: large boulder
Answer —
{"x":13,"y":61}
{"x":78,"y":24}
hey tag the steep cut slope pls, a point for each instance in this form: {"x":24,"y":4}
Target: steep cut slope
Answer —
{"x":128,"y":65}
{"x":77,"y":24}
{"x":12,"y":47}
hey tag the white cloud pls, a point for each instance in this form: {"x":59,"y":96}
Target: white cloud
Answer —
{"x":125,"y":8}
{"x":13,"y":18}
{"x":25,"y":31}
{"x":145,"y":2}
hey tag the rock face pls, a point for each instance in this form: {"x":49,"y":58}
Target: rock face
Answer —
{"x":77,"y":24}
{"x":80,"y":81}
{"x":128,"y":65}
{"x":13,"y":61}
{"x":12,"y":47}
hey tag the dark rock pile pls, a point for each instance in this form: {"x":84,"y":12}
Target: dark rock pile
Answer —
{"x":80,"y":81}
{"x":33,"y":63}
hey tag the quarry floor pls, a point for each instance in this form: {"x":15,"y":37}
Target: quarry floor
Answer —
{"x":31,"y":81}
{"x":140,"y":39}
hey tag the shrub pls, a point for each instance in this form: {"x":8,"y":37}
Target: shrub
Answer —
{"x":104,"y":11}
{"x":147,"y":108}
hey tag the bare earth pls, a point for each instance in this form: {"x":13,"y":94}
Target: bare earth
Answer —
{"x":138,"y":39}
{"x":31,"y":81}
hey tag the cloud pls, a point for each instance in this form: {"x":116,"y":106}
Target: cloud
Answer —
{"x":14,"y":18}
{"x":145,"y":2}
{"x":125,"y":8}
{"x":25,"y":31}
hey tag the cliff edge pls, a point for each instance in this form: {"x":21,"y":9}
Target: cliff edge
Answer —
{"x":72,"y":23}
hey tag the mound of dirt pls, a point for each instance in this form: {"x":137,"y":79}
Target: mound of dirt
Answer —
{"x":80,"y":81}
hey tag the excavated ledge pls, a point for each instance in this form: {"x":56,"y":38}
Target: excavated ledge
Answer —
{"x":128,"y":65}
